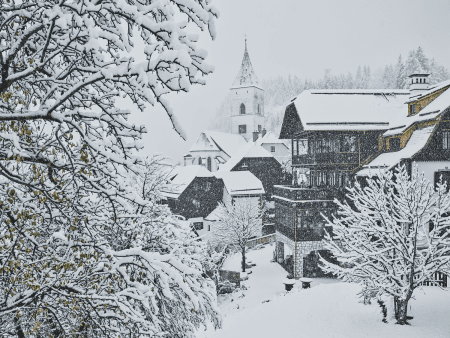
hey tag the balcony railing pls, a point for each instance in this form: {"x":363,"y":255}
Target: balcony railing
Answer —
{"x":307,"y":194}
{"x":328,"y":158}
{"x":304,"y":234}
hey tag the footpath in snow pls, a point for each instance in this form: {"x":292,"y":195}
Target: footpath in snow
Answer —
{"x":328,"y":309}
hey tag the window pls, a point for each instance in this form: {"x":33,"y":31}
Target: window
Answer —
{"x":303,"y":146}
{"x":242,"y":109}
{"x":198,"y":225}
{"x":412,"y":110}
{"x":348,"y":144}
{"x":294,"y":147}
{"x":259,"y":109}
{"x":259,"y":128}
{"x":394,"y":144}
{"x":208,"y":163}
{"x":199,"y":161}
{"x":242,"y":129}
{"x":445,"y":178}
{"x":446,"y":140}
{"x":272,"y":149}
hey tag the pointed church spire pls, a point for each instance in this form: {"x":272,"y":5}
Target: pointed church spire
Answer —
{"x":246,"y":76}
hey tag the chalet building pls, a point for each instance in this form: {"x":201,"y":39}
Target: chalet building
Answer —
{"x":213,"y":148}
{"x":237,"y":185}
{"x":420,"y":136}
{"x":261,"y":163}
{"x":332,"y":132}
{"x":193,"y":193}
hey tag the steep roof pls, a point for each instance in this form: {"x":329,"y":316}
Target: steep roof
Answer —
{"x":418,"y":140}
{"x":346,"y":109}
{"x":349,"y":109}
{"x":241,"y":182}
{"x":184,"y":176}
{"x":215,"y":140}
{"x":431,"y":111}
{"x":246,"y":76}
{"x":250,"y":150}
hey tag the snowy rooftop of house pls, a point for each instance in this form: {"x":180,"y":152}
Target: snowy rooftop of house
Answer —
{"x":215,"y":140}
{"x":431,"y":89}
{"x":268,"y":138}
{"x":246,"y":76}
{"x":350,"y":109}
{"x":250,"y":150}
{"x":241,"y":182}
{"x":183,"y":177}
{"x":418,"y":140}
{"x":431,"y":111}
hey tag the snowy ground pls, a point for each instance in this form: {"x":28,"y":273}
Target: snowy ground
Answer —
{"x":328,"y":309}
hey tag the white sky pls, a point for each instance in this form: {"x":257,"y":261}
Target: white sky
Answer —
{"x":301,"y":38}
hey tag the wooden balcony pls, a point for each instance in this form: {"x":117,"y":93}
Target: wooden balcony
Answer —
{"x":326,"y":158}
{"x":306,"y":194}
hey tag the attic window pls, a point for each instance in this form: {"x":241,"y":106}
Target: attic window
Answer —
{"x":412,"y":109}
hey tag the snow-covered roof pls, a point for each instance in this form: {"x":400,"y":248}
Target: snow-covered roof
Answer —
{"x":214,"y":215}
{"x":350,"y":109}
{"x":215,"y":140}
{"x":431,"y":111}
{"x":430,"y":90}
{"x":183,"y":177}
{"x":268,"y":138}
{"x":418,"y":140}
{"x":250,"y":150}
{"x":246,"y":76}
{"x":241,"y":182}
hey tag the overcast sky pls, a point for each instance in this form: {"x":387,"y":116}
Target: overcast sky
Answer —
{"x":300,"y":38}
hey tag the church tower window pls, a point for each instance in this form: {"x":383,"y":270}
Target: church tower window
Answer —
{"x":208,"y":161}
{"x":242,"y":109}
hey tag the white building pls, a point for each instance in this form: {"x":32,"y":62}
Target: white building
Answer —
{"x":274,"y":145}
{"x":213,"y":148}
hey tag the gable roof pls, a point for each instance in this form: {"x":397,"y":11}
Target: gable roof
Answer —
{"x":250,"y":150}
{"x":385,"y":161}
{"x":346,"y":109}
{"x":431,"y":111}
{"x":246,"y":76}
{"x":269,"y":138}
{"x":215,"y":140}
{"x":241,"y":182}
{"x":183,"y":178}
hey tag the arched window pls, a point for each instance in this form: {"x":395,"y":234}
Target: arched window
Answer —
{"x":417,"y":80}
{"x":208,"y":163}
{"x":199,"y":161}
{"x":242,"y":110}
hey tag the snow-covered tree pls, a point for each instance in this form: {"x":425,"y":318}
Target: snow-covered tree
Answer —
{"x":238,"y":222}
{"x":69,"y":214}
{"x":394,"y":237}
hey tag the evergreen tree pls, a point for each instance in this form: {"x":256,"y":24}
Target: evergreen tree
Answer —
{"x":400,"y":76}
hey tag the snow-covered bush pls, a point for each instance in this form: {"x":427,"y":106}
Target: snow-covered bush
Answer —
{"x":394,"y":237}
{"x":78,"y":255}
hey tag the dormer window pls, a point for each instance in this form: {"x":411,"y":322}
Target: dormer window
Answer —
{"x":412,"y":109}
{"x":446,"y":140}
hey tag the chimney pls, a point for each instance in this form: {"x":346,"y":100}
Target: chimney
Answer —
{"x":264,"y":132}
{"x":418,"y":82}
{"x":255,"y":135}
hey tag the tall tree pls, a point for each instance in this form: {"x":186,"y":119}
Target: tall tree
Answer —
{"x":238,"y":222}
{"x":67,"y":152}
{"x":394,"y":237}
{"x":400,"y":76}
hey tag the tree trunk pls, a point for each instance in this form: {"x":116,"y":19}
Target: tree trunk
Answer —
{"x":243,"y":259}
{"x":402,"y":311}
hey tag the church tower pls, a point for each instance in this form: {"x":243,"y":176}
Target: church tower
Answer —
{"x":247,"y":101}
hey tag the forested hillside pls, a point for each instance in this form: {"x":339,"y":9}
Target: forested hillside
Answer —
{"x":278,"y":91}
